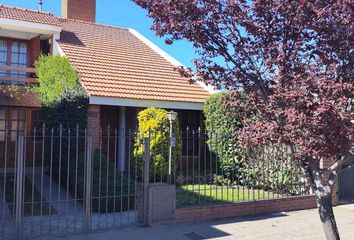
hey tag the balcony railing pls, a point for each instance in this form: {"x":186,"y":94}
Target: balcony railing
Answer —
{"x":24,"y":79}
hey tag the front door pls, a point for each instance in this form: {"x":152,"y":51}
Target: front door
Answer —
{"x":12,"y":125}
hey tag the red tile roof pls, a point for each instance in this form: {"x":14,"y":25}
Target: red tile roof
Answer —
{"x":114,"y":62}
{"x":28,"y":15}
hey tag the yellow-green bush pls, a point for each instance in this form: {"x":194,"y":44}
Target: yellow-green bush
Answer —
{"x":154,"y":124}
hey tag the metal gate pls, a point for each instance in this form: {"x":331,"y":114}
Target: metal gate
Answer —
{"x":64,"y":181}
{"x":346,"y":185}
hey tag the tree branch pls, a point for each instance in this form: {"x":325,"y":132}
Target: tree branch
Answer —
{"x":333,"y":177}
{"x":338,"y":164}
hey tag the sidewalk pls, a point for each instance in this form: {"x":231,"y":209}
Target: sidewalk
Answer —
{"x":304,"y":225}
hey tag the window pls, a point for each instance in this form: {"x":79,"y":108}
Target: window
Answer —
{"x":13,"y":53}
{"x":3,"y":55}
{"x":37,"y":120}
{"x":18,"y":57}
{"x":18,"y":121}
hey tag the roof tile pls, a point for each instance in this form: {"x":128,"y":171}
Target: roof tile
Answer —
{"x":113,"y":62}
{"x":121,"y":65}
{"x":28,"y":15}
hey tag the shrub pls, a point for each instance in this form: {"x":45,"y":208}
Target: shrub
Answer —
{"x":221,"y":129}
{"x":55,"y":74}
{"x":154,"y":124}
{"x":254,"y":168}
{"x":64,"y":101}
{"x":70,"y":109}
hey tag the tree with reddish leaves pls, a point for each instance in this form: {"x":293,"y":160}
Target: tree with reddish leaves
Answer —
{"x":293,"y":61}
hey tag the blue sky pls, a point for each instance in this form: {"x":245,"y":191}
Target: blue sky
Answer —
{"x":122,"y":13}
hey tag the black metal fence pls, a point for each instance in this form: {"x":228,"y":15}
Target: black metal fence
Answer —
{"x":219,"y":171}
{"x":59,"y":180}
{"x":211,"y":168}
{"x":55,"y":181}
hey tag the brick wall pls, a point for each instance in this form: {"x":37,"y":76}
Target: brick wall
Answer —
{"x":23,"y":99}
{"x":93,"y":124}
{"x":84,"y":10}
{"x":196,"y":214}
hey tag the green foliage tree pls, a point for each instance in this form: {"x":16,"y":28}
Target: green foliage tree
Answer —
{"x":154,"y":124}
{"x":247,"y":166}
{"x":69,"y":110}
{"x":64,"y":101}
{"x":64,"y":106}
{"x":220,"y":128}
{"x":55,"y":74}
{"x":219,"y":123}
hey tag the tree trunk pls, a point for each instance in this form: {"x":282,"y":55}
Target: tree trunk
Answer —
{"x":327,"y":217}
{"x":323,"y":192}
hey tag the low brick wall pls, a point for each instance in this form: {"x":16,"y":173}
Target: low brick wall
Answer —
{"x":202,"y":213}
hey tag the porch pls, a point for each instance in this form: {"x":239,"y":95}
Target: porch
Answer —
{"x":121,"y":122}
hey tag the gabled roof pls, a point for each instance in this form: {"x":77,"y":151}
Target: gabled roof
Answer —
{"x":117,"y":63}
{"x":28,"y":15}
{"x":113,"y":62}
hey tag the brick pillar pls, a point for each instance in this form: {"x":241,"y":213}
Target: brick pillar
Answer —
{"x":326,"y":163}
{"x":94,"y":125}
{"x":161,"y":203}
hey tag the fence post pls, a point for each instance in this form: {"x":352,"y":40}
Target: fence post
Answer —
{"x":146,"y":161}
{"x":19,"y":184}
{"x":88,"y":219}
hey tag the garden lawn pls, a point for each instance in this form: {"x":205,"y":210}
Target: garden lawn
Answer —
{"x":201,"y":194}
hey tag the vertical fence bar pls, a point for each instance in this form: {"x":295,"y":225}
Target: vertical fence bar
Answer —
{"x":88,"y":218}
{"x":116,"y":142}
{"x":76,"y":169}
{"x":146,"y":162}
{"x":5,"y":176}
{"x":129,"y":169}
{"x":107,"y":172}
{"x":187,"y":164}
{"x":211,"y":166}
{"x":19,"y":184}
{"x":68,"y":179}
{"x":50,"y":177}
{"x":42,"y":173}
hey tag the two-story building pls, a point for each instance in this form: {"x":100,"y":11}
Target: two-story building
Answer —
{"x":121,"y":70}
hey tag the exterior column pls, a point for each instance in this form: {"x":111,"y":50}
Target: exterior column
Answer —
{"x":94,"y":125}
{"x":122,"y":138}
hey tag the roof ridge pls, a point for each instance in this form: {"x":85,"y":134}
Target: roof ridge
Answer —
{"x":26,"y":9}
{"x":61,"y":18}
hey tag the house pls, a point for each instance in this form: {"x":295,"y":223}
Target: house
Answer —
{"x":121,"y":70}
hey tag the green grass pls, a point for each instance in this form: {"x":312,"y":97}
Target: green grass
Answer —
{"x":34,"y":204}
{"x":211,"y":194}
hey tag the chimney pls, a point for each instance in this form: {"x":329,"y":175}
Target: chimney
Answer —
{"x":84,"y":10}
